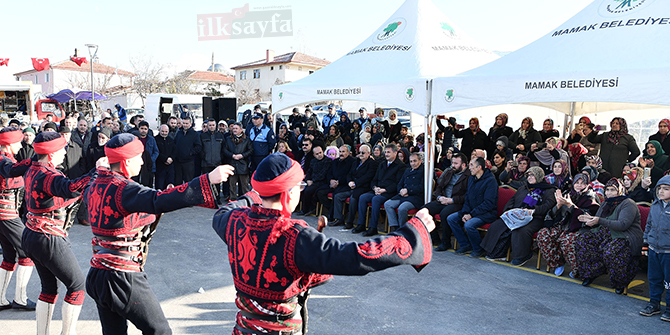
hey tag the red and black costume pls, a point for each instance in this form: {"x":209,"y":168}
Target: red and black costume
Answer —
{"x":52,"y":201}
{"x":11,"y":226}
{"x":274,"y":260}
{"x":120,"y":211}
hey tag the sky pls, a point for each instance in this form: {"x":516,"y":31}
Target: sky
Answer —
{"x":166,"y":31}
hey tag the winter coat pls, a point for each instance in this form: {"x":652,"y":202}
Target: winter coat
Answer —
{"x":615,"y":156}
{"x":547,"y":202}
{"x":413,"y":181}
{"x":627,"y":222}
{"x":388,"y":176}
{"x":166,"y":149}
{"x":212,"y":146}
{"x":318,"y":172}
{"x":262,"y":139}
{"x":76,"y":137}
{"x":188,"y":145}
{"x":533,"y":136}
{"x":339,"y":169}
{"x":93,"y":153}
{"x":494,"y":134}
{"x":471,"y":141}
{"x":665,"y":142}
{"x":361,"y":175}
{"x":74,"y":165}
{"x":458,"y":192}
{"x":481,"y":199}
{"x":657,"y":231}
{"x":244,"y":148}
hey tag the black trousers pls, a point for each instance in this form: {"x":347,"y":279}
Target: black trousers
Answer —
{"x":54,"y":261}
{"x":434,"y":208}
{"x":10,"y":240}
{"x":125,"y":296}
{"x":184,"y":172}
{"x":164,"y":176}
{"x":308,"y":196}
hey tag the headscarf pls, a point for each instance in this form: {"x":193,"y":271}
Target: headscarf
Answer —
{"x":585,"y":118}
{"x":635,"y":176}
{"x":516,"y":175}
{"x":536,"y":190}
{"x":593,"y":172}
{"x":552,"y":126}
{"x":576,"y":151}
{"x":277,"y":174}
{"x":523,"y":132}
{"x":565,"y":172}
{"x":614,"y":136}
{"x":611,"y":203}
{"x":585,"y":178}
{"x":393,"y":122}
{"x":504,"y":118}
{"x":667,"y":122}
{"x":599,"y":161}
{"x":659,"y":151}
{"x":381,"y":150}
{"x":48,"y":142}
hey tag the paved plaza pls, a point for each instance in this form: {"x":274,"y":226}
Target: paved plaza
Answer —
{"x":452,"y":295}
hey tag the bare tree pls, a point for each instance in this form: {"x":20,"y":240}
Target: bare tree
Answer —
{"x":150,"y":76}
{"x":245,"y":92}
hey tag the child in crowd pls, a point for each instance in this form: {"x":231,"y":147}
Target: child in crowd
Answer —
{"x":657,"y":235}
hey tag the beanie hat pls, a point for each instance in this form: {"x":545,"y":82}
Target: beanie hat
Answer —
{"x":29,"y":130}
{"x":51,"y":125}
{"x":592,"y":171}
{"x":106,"y":131}
{"x":537,"y":172}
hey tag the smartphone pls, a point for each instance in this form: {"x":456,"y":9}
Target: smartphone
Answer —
{"x":460,"y":126}
{"x":647,"y":172}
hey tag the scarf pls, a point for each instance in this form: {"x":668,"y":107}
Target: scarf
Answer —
{"x":615,"y":136}
{"x":597,"y":159}
{"x":524,"y":132}
{"x":574,"y":195}
{"x":659,"y":151}
{"x":504,"y":118}
{"x":667,"y":123}
{"x":552,"y":126}
{"x":576,"y":151}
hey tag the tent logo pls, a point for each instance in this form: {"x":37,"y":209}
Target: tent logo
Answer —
{"x":391,"y":29}
{"x":622,"y":6}
{"x":281,"y":96}
{"x":409,"y":93}
{"x":449,"y":96}
{"x":448,"y":30}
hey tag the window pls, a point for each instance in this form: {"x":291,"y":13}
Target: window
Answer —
{"x":281,"y":67}
{"x":46,"y":77}
{"x":310,"y":71}
{"x":257,"y":74}
{"x":272,"y":68}
{"x":37,"y":80}
{"x":299,"y":68}
{"x":243,"y":75}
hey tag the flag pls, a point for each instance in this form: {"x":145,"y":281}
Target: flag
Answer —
{"x":79,"y":60}
{"x":4,"y":61}
{"x":41,"y":64}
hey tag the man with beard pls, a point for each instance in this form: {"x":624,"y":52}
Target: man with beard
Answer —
{"x":173,"y":123}
{"x":146,"y":176}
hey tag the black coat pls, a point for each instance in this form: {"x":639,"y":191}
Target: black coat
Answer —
{"x":318,"y":172}
{"x":339,"y":169}
{"x":362,"y":175}
{"x":472,"y":141}
{"x":74,"y":165}
{"x":25,"y":152}
{"x":388,"y":176}
{"x":188,"y":145}
{"x":93,"y":153}
{"x":76,"y":137}
{"x":494,"y":133}
{"x":166,"y":149}
{"x":665,"y":143}
{"x":459,"y":190}
{"x":533,"y":136}
{"x":243,"y":148}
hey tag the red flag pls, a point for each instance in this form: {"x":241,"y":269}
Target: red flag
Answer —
{"x":4,"y":61}
{"x":79,"y":60}
{"x":41,"y":64}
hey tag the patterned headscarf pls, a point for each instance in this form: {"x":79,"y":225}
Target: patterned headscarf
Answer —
{"x":612,"y":203}
{"x":614,"y":136}
{"x":583,"y":176}
{"x":504,"y":118}
{"x":599,"y":161}
{"x":667,"y":122}
{"x":576,"y":152}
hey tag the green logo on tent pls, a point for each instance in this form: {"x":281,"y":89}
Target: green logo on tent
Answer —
{"x":394,"y":27}
{"x":409,"y":93}
{"x":281,"y":95}
{"x":448,"y":30}
{"x":622,"y":6}
{"x":449,"y":96}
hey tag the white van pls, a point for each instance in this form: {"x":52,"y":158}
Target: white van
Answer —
{"x":159,"y":107}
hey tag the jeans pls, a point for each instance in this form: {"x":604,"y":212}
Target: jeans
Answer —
{"x":377,"y":201}
{"x":469,"y":237}
{"x":658,"y":274}
{"x":400,"y":218}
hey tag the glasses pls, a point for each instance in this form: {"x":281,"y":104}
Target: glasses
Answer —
{"x":305,"y":144}
{"x":302,"y":185}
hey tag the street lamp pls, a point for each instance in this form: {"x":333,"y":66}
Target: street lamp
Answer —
{"x":93,"y":52}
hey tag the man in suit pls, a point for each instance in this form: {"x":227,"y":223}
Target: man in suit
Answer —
{"x":359,"y":178}
{"x":384,"y":187}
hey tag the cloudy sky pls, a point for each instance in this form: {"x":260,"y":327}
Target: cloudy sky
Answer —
{"x":167,"y":31}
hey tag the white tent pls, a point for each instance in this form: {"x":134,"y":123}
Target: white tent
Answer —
{"x":394,"y":65}
{"x":613,"y":55}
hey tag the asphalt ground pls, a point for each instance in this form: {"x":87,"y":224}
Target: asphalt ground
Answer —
{"x":189,"y":273}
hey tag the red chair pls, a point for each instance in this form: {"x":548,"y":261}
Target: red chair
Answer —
{"x":505,"y":193}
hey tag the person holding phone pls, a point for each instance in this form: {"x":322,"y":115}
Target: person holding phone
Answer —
{"x":610,"y":241}
{"x":655,"y":162}
{"x":521,"y":140}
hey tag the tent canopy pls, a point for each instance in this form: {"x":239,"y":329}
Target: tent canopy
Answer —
{"x":610,"y":56}
{"x":393,"y":65}
{"x":67,"y":95}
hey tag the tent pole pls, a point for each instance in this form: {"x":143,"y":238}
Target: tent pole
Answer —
{"x":571,"y":124}
{"x":429,"y":144}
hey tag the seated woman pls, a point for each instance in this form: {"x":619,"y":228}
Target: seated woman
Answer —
{"x":547,"y":153}
{"x":403,"y":156}
{"x":284,"y":148}
{"x":560,"y":177}
{"x":637,"y":187}
{"x":499,"y":164}
{"x":378,"y":153}
{"x":656,"y":159}
{"x":515,"y":176}
{"x":556,"y":239}
{"x":537,"y":198}
{"x":597,"y":162}
{"x":577,"y":157}
{"x":611,"y":241}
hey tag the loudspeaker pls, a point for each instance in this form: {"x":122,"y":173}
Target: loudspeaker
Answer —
{"x":207,"y":108}
{"x":227,"y":108}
